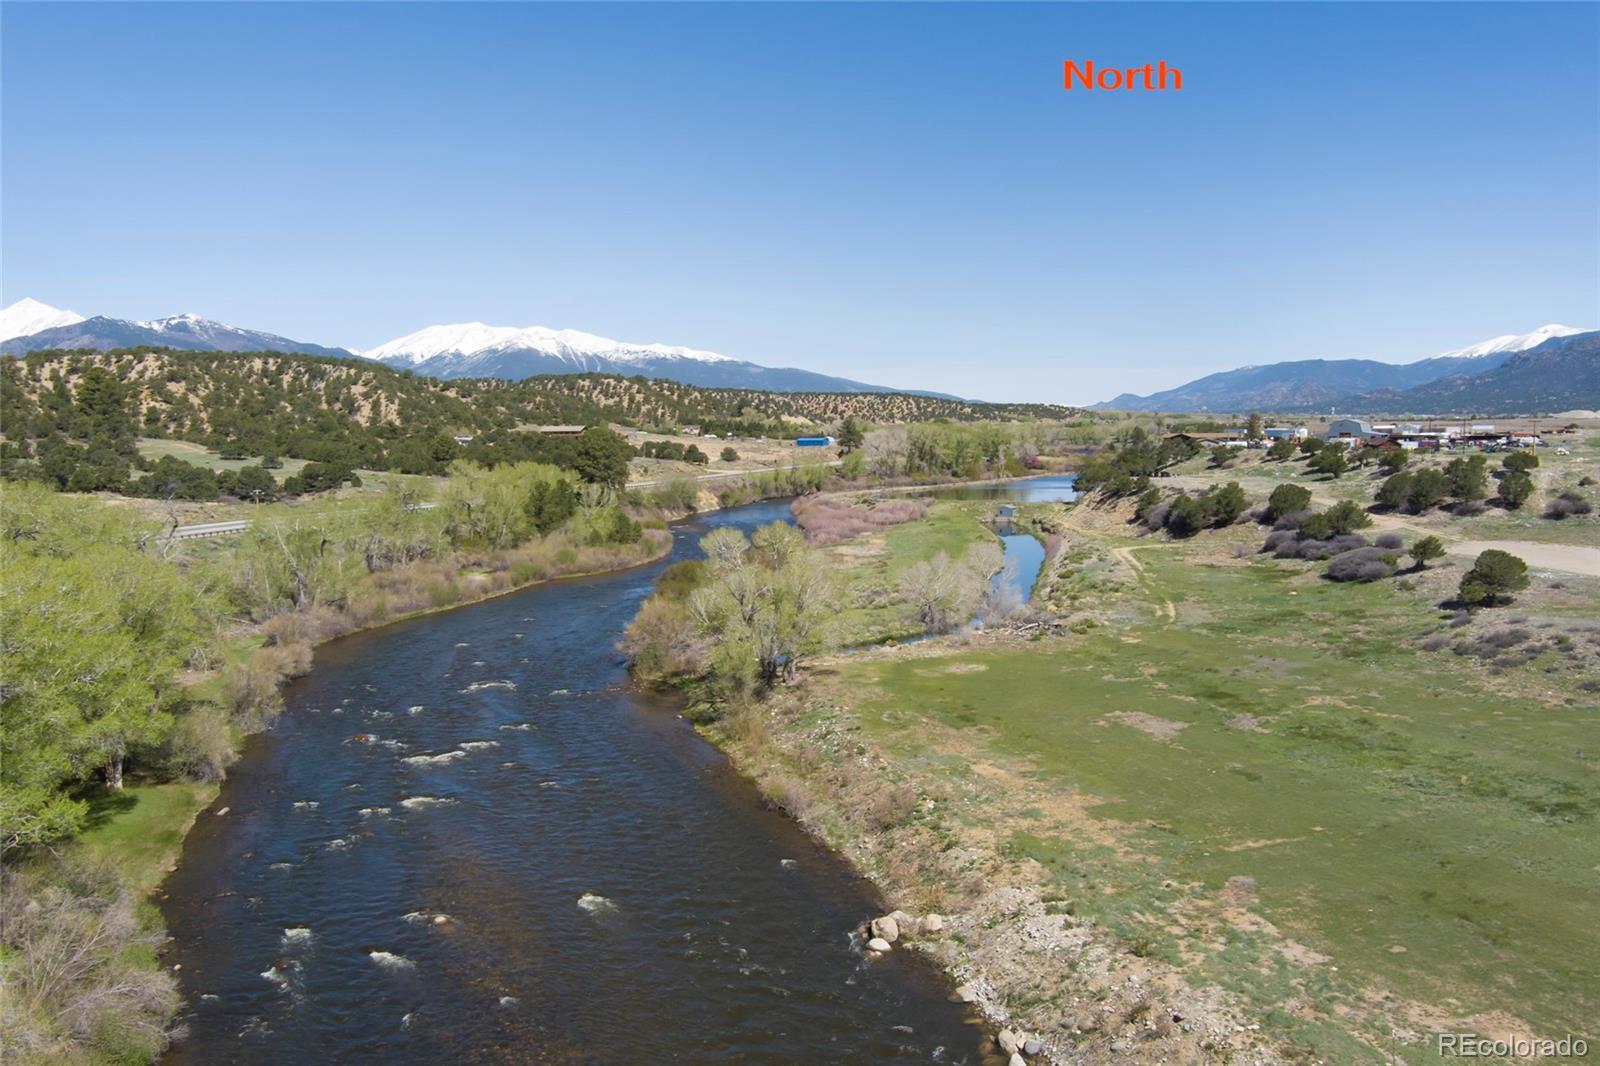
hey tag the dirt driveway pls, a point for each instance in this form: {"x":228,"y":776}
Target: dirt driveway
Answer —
{"x":1573,"y":558}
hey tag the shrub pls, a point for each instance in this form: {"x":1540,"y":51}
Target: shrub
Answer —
{"x":1428,"y":489}
{"x":1566,"y":505}
{"x":1362,"y":564}
{"x":1425,"y":550}
{"x":830,"y":520}
{"x":1147,"y":499}
{"x":1185,"y":516}
{"x":1287,"y":500}
{"x":1223,"y":505}
{"x":202,"y":743}
{"x":729,"y":455}
{"x":1493,"y":578}
{"x":1280,"y":538}
{"x":1521,"y":462}
{"x":81,"y":985}
{"x":1467,"y":477}
{"x":1515,"y":488}
{"x":1389,"y":540}
{"x":1395,"y":491}
{"x":1332,"y":461}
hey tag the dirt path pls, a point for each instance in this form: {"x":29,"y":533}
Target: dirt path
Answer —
{"x":1573,"y":558}
{"x":1167,"y":609}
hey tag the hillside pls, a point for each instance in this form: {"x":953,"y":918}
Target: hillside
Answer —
{"x":214,"y":396}
{"x":189,"y":332}
{"x":1318,"y":384}
{"x":1557,"y":375}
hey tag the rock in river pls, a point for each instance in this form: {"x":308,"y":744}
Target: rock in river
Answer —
{"x":886,"y":928}
{"x":877,"y":943}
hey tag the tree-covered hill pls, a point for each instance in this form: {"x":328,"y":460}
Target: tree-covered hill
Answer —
{"x":213,"y":397}
{"x":73,"y":417}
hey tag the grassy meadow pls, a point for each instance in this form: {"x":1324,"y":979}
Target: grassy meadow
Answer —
{"x":1254,"y":775}
{"x":873,"y":566}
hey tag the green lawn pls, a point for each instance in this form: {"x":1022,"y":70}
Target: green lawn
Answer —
{"x":140,"y":829}
{"x":157,"y":448}
{"x":1432,"y":836}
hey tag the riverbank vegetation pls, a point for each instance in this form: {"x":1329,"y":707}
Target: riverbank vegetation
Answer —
{"x":134,"y":664}
{"x":1237,"y":799}
{"x":857,"y":569}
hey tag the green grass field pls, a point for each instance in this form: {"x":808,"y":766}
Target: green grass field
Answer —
{"x":140,"y":830}
{"x":1434,"y":836}
{"x":157,"y":448}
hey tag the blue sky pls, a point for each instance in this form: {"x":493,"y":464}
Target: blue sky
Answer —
{"x":896,"y":193}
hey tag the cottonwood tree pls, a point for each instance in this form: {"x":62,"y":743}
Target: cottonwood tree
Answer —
{"x":943,"y":592}
{"x":887,"y":450}
{"x":93,"y":627}
{"x":767,"y":600}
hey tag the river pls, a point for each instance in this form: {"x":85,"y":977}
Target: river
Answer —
{"x":1024,"y":554}
{"x":467,"y":839}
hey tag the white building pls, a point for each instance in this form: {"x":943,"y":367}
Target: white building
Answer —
{"x":1348,"y":429}
{"x":1286,"y":432}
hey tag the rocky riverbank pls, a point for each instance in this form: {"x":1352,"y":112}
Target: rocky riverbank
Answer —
{"x":1054,"y":986}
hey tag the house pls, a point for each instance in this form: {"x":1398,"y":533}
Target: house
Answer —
{"x":1348,"y":429}
{"x":561,"y":431}
{"x":1231,"y":439}
{"x":462,"y":439}
{"x":1286,"y":432}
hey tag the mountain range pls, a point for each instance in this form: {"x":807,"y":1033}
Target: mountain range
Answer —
{"x":476,"y":350}
{"x":70,"y":330}
{"x":466,"y":350}
{"x":1545,"y":369}
{"x":1561,"y":374}
{"x":1347,"y":384}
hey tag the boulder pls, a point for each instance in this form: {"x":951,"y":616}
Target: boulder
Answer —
{"x":1009,"y":1044}
{"x":907,"y":925}
{"x":933,"y":923}
{"x":1032,"y":1046}
{"x":886,"y":928}
{"x":964,"y":994}
{"x":877,"y":943}
{"x":1016,"y":1060}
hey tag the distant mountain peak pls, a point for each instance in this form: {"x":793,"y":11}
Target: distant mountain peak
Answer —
{"x":479,"y":350}
{"x":1312,"y":384}
{"x":28,"y":316}
{"x":1510,"y":342}
{"x":466,"y":340}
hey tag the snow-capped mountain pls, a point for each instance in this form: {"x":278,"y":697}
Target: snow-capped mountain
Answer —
{"x":477,"y":350}
{"x":190,"y":332}
{"x":471,"y":342}
{"x":1312,"y":384}
{"x":28,"y":315}
{"x":1511,"y":342}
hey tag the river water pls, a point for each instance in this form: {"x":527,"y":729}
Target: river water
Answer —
{"x":1024,"y":554}
{"x":468,"y":840}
